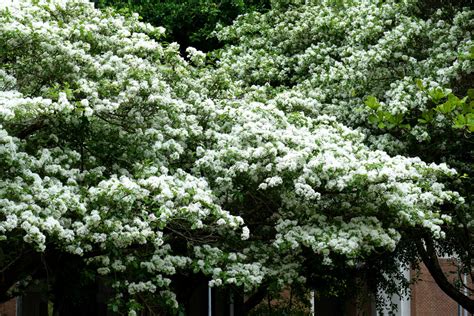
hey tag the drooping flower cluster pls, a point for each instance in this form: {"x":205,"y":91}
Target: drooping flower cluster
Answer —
{"x":114,"y":147}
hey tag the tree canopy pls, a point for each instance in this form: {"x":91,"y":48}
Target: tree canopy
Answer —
{"x":282,"y":158}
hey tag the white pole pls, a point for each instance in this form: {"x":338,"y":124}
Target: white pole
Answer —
{"x":405,"y":308}
{"x":312,"y":304}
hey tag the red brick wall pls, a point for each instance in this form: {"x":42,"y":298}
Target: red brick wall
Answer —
{"x":427,"y":298}
{"x":8,"y":308}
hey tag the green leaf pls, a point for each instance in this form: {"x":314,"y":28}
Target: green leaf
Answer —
{"x":453,"y":99}
{"x":372,"y":102}
{"x":467,"y":107}
{"x":428,"y":116}
{"x":470,"y":122}
{"x":470,"y":118}
{"x":437,"y":94}
{"x":419,"y":84}
{"x":373,"y":119}
{"x":395,"y":119}
{"x":470,"y":94}
{"x":463,"y":121}
{"x":469,"y":55}
{"x":459,"y":121}
{"x":448,"y":106}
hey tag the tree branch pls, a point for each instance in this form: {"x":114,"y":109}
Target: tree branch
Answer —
{"x":255,"y":299}
{"x":31,"y":129}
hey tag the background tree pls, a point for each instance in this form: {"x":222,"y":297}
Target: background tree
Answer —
{"x":189,"y":22}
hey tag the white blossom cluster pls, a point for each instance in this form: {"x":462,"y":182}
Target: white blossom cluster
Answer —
{"x":332,"y":57}
{"x":112,"y":144}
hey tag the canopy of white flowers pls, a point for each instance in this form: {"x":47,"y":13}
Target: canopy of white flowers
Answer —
{"x":115,"y":148}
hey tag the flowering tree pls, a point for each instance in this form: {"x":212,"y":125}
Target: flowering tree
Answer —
{"x":401,"y":72}
{"x":145,"y":166}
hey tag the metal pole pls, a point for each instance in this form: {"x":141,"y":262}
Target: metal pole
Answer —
{"x":231,"y":305}
{"x":466,"y":313}
{"x":209,"y":301}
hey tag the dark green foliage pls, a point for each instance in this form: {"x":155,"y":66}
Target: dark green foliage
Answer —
{"x":188,"y":22}
{"x":428,"y":7}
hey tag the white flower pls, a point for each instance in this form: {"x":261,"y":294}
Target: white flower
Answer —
{"x":245,"y":233}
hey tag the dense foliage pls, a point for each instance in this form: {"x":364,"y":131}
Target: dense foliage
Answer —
{"x":262,"y":169}
{"x":189,"y":22}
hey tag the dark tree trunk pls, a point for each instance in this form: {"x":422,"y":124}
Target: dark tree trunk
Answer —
{"x":254,"y":299}
{"x":27,"y":263}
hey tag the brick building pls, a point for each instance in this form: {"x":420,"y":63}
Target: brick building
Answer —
{"x":427,"y":299}
{"x":8,"y":308}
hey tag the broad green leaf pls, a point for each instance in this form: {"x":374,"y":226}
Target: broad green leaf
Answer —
{"x":372,"y":102}
{"x":447,"y":107}
{"x":453,"y":99}
{"x":437,"y":94}
{"x":459,"y":121}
